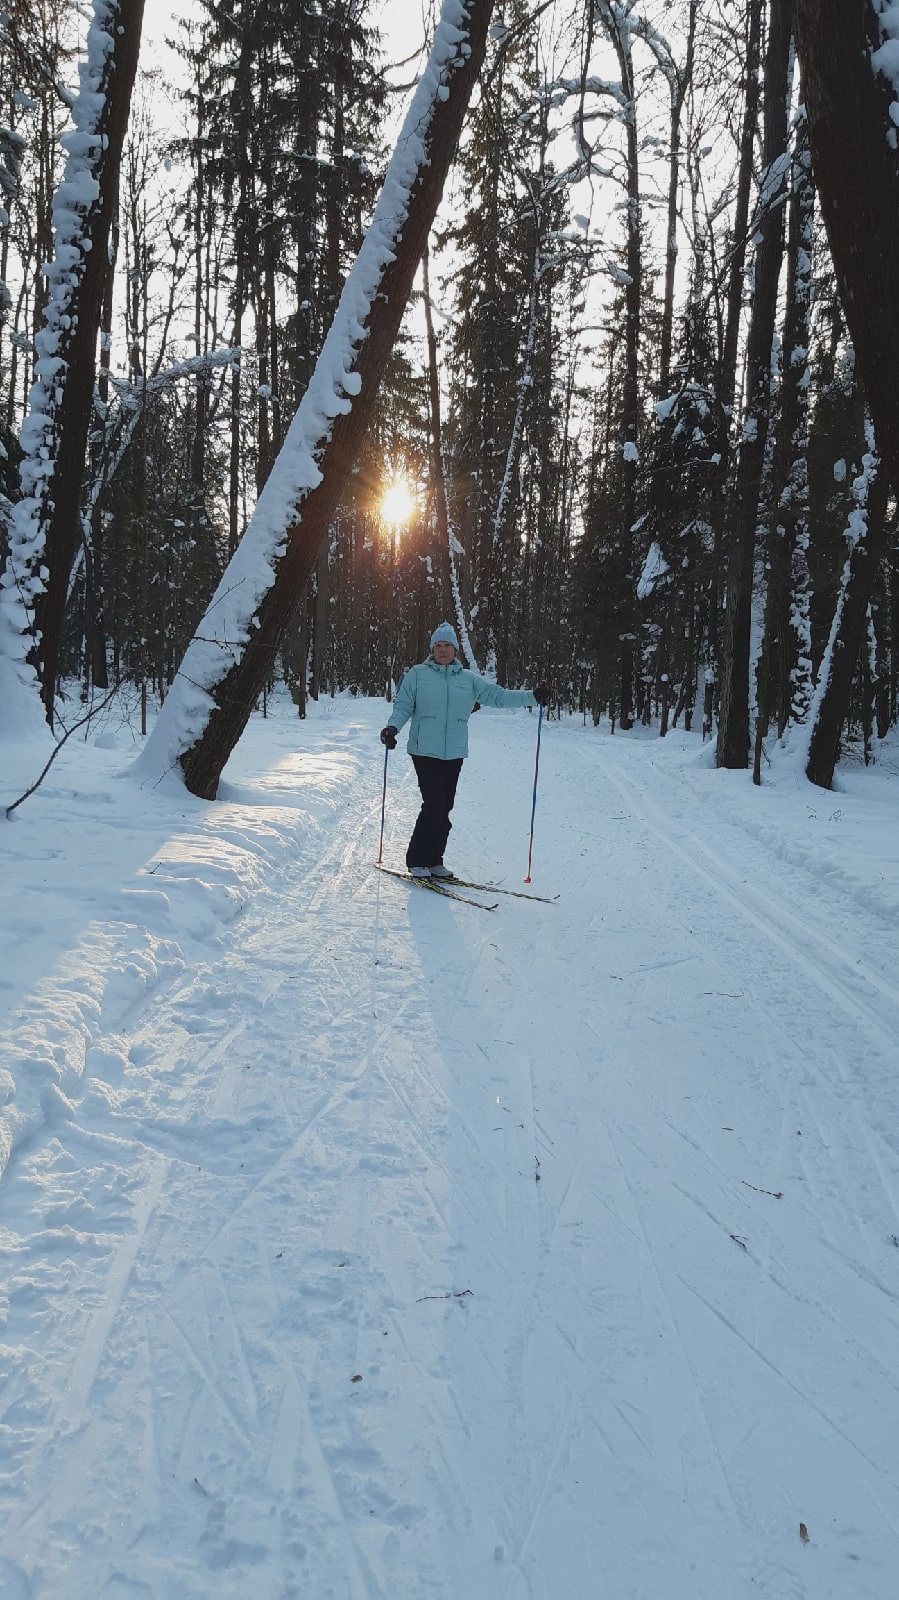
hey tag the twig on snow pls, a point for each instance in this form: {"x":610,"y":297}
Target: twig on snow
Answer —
{"x":454,"y":1294}
{"x":56,"y":749}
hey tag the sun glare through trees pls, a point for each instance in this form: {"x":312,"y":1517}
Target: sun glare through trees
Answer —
{"x":398,"y":504}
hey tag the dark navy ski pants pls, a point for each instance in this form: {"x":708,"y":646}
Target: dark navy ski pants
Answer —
{"x":437,"y":781}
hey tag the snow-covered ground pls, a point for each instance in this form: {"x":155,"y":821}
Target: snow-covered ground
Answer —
{"x":361,"y":1244}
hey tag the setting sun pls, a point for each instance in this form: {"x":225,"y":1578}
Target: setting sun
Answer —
{"x":398,"y":503}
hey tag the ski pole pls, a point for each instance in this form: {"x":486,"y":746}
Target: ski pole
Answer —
{"x":383,"y":805}
{"x":534,"y":806}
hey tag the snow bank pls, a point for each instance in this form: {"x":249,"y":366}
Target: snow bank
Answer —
{"x":111,"y":891}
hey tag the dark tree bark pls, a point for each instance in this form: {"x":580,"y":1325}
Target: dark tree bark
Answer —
{"x":856,"y":165}
{"x":784,"y":667}
{"x":77,"y":349}
{"x":619,"y":28}
{"x":856,"y":168}
{"x":236,"y":692}
{"x":727,"y":376}
{"x":849,"y":637}
{"x":739,"y":538}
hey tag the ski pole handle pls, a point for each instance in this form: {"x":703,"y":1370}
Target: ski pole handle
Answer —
{"x":534,"y":804}
{"x":383,"y":805}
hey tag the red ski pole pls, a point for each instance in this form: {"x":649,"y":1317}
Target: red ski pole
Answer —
{"x":383,"y":805}
{"x":534,"y":806}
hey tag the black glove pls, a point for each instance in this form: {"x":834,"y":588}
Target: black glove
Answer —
{"x":541,"y":693}
{"x":388,"y":737}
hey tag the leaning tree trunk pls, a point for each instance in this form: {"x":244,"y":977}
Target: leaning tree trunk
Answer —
{"x":46,"y":520}
{"x":739,"y":538}
{"x":856,"y":165}
{"x":232,"y":654}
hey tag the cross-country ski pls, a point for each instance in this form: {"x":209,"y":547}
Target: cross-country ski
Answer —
{"x":447,"y":889}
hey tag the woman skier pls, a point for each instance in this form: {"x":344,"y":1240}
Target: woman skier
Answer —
{"x":438,"y":696}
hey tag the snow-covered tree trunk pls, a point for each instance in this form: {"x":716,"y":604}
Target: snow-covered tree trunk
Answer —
{"x":864,"y":537}
{"x":740,"y":529}
{"x":793,"y":505}
{"x":45,"y":522}
{"x":232,"y":654}
{"x":12,"y":150}
{"x":849,"y":50}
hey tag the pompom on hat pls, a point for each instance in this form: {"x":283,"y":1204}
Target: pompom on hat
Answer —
{"x":445,"y":634}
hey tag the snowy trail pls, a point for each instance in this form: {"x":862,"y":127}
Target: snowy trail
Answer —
{"x":385,"y":1250}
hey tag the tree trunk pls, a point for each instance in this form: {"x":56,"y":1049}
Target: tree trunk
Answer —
{"x":438,"y":474}
{"x":619,"y":28}
{"x":96,"y":667}
{"x":57,"y":433}
{"x":727,"y":376}
{"x":784,"y":667}
{"x":679,"y":85}
{"x":850,"y":627}
{"x":794,"y":495}
{"x":854,"y":156}
{"x":320,"y":620}
{"x":733,"y":723}
{"x":222,"y":676}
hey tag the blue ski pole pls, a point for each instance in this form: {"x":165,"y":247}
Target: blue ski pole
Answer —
{"x":534,"y":806}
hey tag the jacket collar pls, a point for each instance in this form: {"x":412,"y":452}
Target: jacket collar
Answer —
{"x":454,"y":666}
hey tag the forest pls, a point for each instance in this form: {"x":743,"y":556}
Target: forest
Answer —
{"x":594,"y":354}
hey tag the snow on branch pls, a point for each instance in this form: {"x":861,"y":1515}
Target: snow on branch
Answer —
{"x":562,"y":89}
{"x":885,"y":60}
{"x":135,"y":398}
{"x":136,"y":393}
{"x":661,"y":49}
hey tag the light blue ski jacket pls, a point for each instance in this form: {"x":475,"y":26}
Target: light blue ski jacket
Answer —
{"x":439,"y":702}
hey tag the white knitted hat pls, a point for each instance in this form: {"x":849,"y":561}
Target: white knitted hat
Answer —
{"x":445,"y":634}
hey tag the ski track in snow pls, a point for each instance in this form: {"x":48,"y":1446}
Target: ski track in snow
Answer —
{"x":366,"y":1252}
